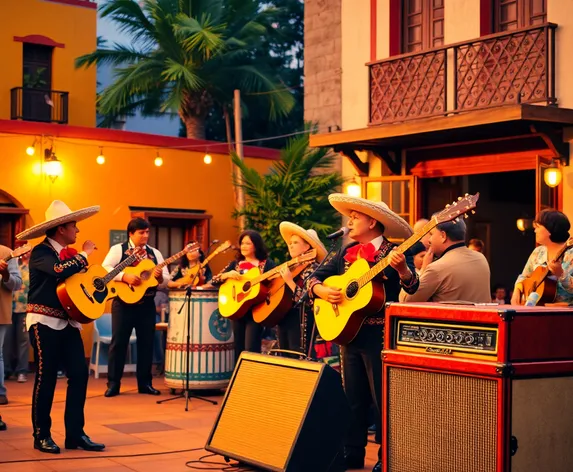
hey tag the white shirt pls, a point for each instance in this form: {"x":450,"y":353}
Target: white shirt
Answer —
{"x":113,"y":258}
{"x":50,"y":321}
{"x":377,"y":242}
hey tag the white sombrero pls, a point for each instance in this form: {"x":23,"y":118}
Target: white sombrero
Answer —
{"x":287,"y":229}
{"x":58,"y":213}
{"x":395,"y":226}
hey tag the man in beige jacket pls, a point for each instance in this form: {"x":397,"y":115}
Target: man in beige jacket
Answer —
{"x":459,"y":274}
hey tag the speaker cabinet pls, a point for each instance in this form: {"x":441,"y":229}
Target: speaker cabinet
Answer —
{"x":477,"y":389}
{"x":282,"y":414}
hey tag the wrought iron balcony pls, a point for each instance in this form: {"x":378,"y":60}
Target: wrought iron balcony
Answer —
{"x":31,"y":104}
{"x":499,"y":69}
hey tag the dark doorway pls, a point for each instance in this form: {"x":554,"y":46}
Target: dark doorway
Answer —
{"x":504,"y":198}
{"x":37,"y":82}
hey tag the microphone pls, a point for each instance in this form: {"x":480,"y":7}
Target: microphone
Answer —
{"x":341,"y":232}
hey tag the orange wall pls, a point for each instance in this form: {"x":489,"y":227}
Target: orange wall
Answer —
{"x":71,"y":25}
{"x":128,"y":178}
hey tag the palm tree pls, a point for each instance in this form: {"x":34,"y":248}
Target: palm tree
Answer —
{"x":295,"y":189}
{"x":186,"y":56}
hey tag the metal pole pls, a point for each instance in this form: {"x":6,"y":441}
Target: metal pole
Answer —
{"x":239,"y":193}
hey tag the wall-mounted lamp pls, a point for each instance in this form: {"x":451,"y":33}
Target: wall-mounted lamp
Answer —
{"x":52,"y":165}
{"x":354,"y":189}
{"x":523,"y":224}
{"x":553,"y":174}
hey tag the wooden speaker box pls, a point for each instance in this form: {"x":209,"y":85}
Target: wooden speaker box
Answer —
{"x":477,"y":388}
{"x":281,"y":414}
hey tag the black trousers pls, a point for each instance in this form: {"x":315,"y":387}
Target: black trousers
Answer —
{"x":247,"y":335}
{"x":53,"y":348}
{"x":362,"y":378}
{"x":290,"y":328}
{"x":124,"y":318}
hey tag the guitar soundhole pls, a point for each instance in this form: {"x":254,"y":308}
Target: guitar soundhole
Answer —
{"x":99,"y":284}
{"x":247,"y":287}
{"x":352,"y":289}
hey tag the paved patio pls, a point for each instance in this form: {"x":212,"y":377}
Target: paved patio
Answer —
{"x":140,"y":435}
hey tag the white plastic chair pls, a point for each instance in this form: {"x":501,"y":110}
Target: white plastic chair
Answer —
{"x":102,"y":335}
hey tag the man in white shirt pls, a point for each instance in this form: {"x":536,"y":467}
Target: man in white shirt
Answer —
{"x":140,"y":315}
{"x":56,"y":338}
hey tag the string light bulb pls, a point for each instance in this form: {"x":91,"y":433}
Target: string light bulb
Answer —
{"x":101,"y":158}
{"x":553,"y":175}
{"x":158,"y":160}
{"x":30,"y":150}
{"x":207,"y":159}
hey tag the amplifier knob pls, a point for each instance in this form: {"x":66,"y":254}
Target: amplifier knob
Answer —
{"x":440,"y":336}
{"x":423,"y":334}
{"x":431,"y":335}
{"x":469,"y":339}
{"x":449,"y":337}
{"x":459,"y":338}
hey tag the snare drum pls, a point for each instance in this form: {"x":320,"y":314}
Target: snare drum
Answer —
{"x":212,"y":351}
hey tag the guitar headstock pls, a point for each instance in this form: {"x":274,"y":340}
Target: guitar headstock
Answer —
{"x":307,"y":256}
{"x":20,"y":251}
{"x":138,"y":253}
{"x":191,"y":247}
{"x":223,"y":247}
{"x":457,"y":209}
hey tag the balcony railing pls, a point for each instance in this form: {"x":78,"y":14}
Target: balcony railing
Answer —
{"x":494,"y":70}
{"x":31,"y":104}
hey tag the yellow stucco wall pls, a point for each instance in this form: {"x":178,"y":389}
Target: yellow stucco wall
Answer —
{"x":73,"y":26}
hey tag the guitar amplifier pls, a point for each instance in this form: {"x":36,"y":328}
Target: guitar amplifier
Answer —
{"x":477,"y":388}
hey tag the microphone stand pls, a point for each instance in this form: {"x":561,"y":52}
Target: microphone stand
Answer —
{"x":187,"y":302}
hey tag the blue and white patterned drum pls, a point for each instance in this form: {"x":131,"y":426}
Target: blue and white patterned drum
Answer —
{"x":212,"y":351}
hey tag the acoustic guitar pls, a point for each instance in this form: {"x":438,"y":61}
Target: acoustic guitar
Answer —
{"x":363,"y":296}
{"x":84,"y":295}
{"x":18,"y":252}
{"x":540,"y":281}
{"x":191,"y":274}
{"x":278,"y":302}
{"x":144,"y":270}
{"x":236,"y":297}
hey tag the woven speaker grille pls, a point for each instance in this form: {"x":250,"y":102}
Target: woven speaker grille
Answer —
{"x":441,"y":422}
{"x":264,"y":412}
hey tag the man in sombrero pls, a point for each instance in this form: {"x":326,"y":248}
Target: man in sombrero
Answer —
{"x":369,"y":224}
{"x":56,"y":338}
{"x":296,"y":328}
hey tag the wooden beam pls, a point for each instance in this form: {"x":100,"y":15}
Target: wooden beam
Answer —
{"x":553,"y":140}
{"x":392,"y":163}
{"x":360,"y":167}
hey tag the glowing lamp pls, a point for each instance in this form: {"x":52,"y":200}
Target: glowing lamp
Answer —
{"x":353,"y":190}
{"x":30,"y":150}
{"x":53,"y":168}
{"x":100,"y":159}
{"x":158,"y":161}
{"x":207,"y":159}
{"x":552,"y":176}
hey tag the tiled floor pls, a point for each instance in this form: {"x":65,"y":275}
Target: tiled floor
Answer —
{"x":139,"y":434}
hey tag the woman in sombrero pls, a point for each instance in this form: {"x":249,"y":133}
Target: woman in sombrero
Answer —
{"x":295,"y":329}
{"x":54,"y":336}
{"x":370,"y":223}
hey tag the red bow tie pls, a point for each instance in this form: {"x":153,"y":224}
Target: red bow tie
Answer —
{"x":67,"y":253}
{"x":365,"y":251}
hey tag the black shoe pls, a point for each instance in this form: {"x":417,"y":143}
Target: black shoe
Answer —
{"x":149,"y":390}
{"x":353,"y":462}
{"x":85,"y":443}
{"x":3,"y":426}
{"x":377,"y":467}
{"x":111,"y":392}
{"x":46,"y":445}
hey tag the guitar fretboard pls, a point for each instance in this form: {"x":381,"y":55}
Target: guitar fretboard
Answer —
{"x":179,"y":255}
{"x":297,"y":260}
{"x":118,"y":268}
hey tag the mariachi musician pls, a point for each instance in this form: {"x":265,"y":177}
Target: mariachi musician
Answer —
{"x":190,"y":264}
{"x":369,"y":224}
{"x":56,"y":338}
{"x":295,"y":331}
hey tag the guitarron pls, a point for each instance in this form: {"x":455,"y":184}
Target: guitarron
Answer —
{"x":236,"y":297}
{"x":363,"y":296}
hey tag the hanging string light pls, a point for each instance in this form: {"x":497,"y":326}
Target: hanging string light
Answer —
{"x":207,"y":159}
{"x":101,"y":158}
{"x":158,"y":160}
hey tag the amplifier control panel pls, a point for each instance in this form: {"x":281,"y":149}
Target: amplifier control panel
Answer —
{"x":446,"y":338}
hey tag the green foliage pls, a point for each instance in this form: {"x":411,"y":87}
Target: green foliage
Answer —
{"x":188,"y":56}
{"x":296,"y":189}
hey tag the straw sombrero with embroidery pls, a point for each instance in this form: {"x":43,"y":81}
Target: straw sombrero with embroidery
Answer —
{"x":287,"y":229}
{"x":395,"y":226}
{"x":58,"y":213}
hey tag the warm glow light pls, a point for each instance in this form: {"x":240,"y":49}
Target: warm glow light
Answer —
{"x":30,"y":150}
{"x":353,"y":189}
{"x":100,"y":159}
{"x":552,"y":176}
{"x":521,"y":224}
{"x":207,"y":159}
{"x":37,"y":168}
{"x":158,"y":161}
{"x":53,"y":169}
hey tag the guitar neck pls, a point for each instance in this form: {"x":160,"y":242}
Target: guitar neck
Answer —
{"x":118,"y":268}
{"x":173,"y":258}
{"x":561,"y":252}
{"x":275,"y":271}
{"x":380,"y":266}
{"x":210,"y":257}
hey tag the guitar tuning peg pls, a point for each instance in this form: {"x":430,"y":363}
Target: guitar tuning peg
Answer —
{"x":467,"y":194}
{"x":459,"y":199}
{"x":473,"y":212}
{"x":448,"y":205}
{"x":466,"y":216}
